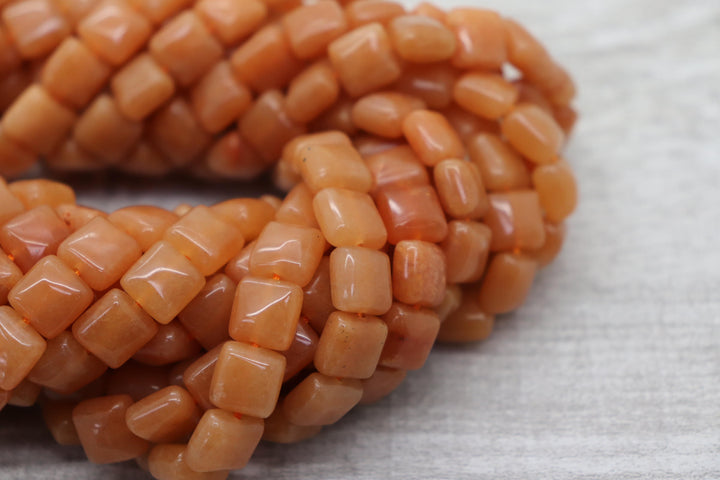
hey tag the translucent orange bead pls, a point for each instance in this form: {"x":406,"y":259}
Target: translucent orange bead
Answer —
{"x":261,"y":372}
{"x":480,"y":38}
{"x":501,"y":168}
{"x":291,"y":151}
{"x":466,"y":249}
{"x":460,"y":189}
{"x":197,"y":377}
{"x":317,"y":300}
{"x":163,"y":282}
{"x":382,"y":382}
{"x":58,"y":418}
{"x":207,"y":316}
{"x":21,"y":345}
{"x":506,"y":283}
{"x":360,"y":280}
{"x":364,"y":59}
{"x":167,"y":462}
{"x":26,"y":394}
{"x":74,"y":10}
{"x":336,"y":165}
{"x":223,"y":441}
{"x":77,"y":216}
{"x":218,"y":99}
{"x":451,"y":302}
{"x":10,"y":205}
{"x":349,"y":219}
{"x":39,"y":192}
{"x":32,"y":235}
{"x":383,"y":113}
{"x":418,"y":274}
{"x":301,"y":352}
{"x":278,"y":429}
{"x":249,"y":215}
{"x":368,"y":145}
{"x":169,"y":415}
{"x":312,"y":92}
{"x":368,"y":11}
{"x":432,"y":83}
{"x":412,"y":213}
{"x":432,"y":137}
{"x":421,"y":39}
{"x":488,"y":95}
{"x":176,"y":133}
{"x":311,"y":28}
{"x":554,"y":239}
{"x":146,"y":224}
{"x":10,"y":274}
{"x":397,"y":167}
{"x":468,"y":323}
{"x":36,"y":26}
{"x":557,"y":189}
{"x":321,"y":400}
{"x":411,"y":335}
{"x":230,"y":20}
{"x":533,"y":133}
{"x":171,"y":344}
{"x":159,"y":10}
{"x":297,"y":207}
{"x":516,"y":221}
{"x":141,"y":87}
{"x":239,"y":267}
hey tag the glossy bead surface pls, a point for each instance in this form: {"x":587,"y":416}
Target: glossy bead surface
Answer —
{"x":21,"y":348}
{"x":412,"y":213}
{"x":157,"y":11}
{"x":207,"y":316}
{"x":369,"y":11}
{"x":467,"y":324}
{"x":311,"y":28}
{"x":297,"y":207}
{"x":431,"y":137}
{"x":488,"y":95}
{"x":176,"y":133}
{"x":32,"y":235}
{"x":383,"y":113}
{"x":146,"y":224}
{"x":278,"y":429}
{"x":411,"y":335}
{"x":141,"y":86}
{"x":466,"y":249}
{"x":554,"y":240}
{"x":419,"y":273}
{"x":506,"y":283}
{"x":397,"y":167}
{"x":501,"y":167}
{"x":39,"y":192}
{"x":557,"y":189}
{"x":231,"y":20}
{"x":333,"y":165}
{"x":171,"y":344}
{"x":516,"y":221}
{"x":421,"y":39}
{"x":312,"y":92}
{"x":266,"y":126}
{"x":249,"y":215}
{"x":57,"y":415}
{"x":169,"y":415}
{"x":360,"y":280}
{"x":10,"y":274}
{"x":460,"y":189}
{"x":432,"y":83}
{"x":533,"y":133}
{"x":302,"y":350}
{"x":321,"y":400}
{"x":480,"y":38}
{"x":167,"y":462}
{"x":218,"y":99}
{"x":36,"y":26}
{"x":317,"y":299}
{"x":349,"y":219}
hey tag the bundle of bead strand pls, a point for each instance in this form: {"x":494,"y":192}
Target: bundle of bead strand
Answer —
{"x":425,"y":191}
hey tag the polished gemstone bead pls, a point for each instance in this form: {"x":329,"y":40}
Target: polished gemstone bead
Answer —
{"x":297,"y":207}
{"x":167,"y":462}
{"x":32,"y":235}
{"x":554,"y":239}
{"x":369,"y":11}
{"x":249,"y":215}
{"x":105,"y":437}
{"x":533,"y":133}
{"x":75,"y":10}
{"x":260,"y":372}
{"x":321,"y":400}
{"x":469,"y":323}
{"x":311,"y":28}
{"x":418,"y":273}
{"x":77,"y":216}
{"x":58,"y":418}
{"x":157,"y":11}
{"x":383,"y":113}
{"x":51,"y":296}
{"x":466,"y":249}
{"x":382,"y":382}
{"x":432,"y":83}
{"x":21,"y":345}
{"x":169,"y":415}
{"x":480,"y":35}
{"x":231,"y":20}
{"x":412,"y":213}
{"x":515,"y":219}
{"x":333,"y":165}
{"x":421,"y":39}
{"x":317,"y":299}
{"x":501,"y":168}
{"x":431,"y":137}
{"x":411,"y":335}
{"x":207,"y":316}
{"x":176,"y":133}
{"x":163,"y":282}
{"x":146,"y":224}
{"x":557,"y":189}
{"x":223,"y":441}
{"x":488,"y":95}
{"x":114,"y":328}
{"x":349,"y":219}
{"x":291,"y":151}
{"x":26,"y":394}
{"x":239,"y":266}
{"x":397,"y":167}
{"x":36,"y":26}
{"x":506,"y":283}
{"x":278,"y":429}
{"x":39,"y":192}
{"x":460,"y":188}
{"x":10,"y":274}
{"x":198,"y":377}
{"x":171,"y":344}
{"x":10,"y":205}
{"x":231,"y":158}
{"x":218,"y":99}
{"x":360,"y":280}
{"x":312,"y":92}
{"x":136,"y":380}
{"x":302,"y":350}
{"x":141,"y":87}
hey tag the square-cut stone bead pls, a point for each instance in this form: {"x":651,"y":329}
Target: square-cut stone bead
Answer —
{"x":350,"y":345}
{"x":381,"y":384}
{"x":231,"y":157}
{"x":39,"y":192}
{"x":431,"y":83}
{"x":515,"y":219}
{"x":368,"y":11}
{"x":51,"y":296}
{"x":146,"y":224}
{"x":383,"y":113}
{"x":311,"y":28}
{"x":168,"y":415}
{"x":10,"y":205}
{"x":103,"y":433}
{"x":364,"y":60}
{"x":421,"y":39}
{"x":223,"y":441}
{"x":333,"y":165}
{"x":266,"y":126}
{"x":114,"y":31}
{"x":239,"y":267}
{"x":317,"y":300}
{"x":290,"y":252}
{"x":468,"y":323}
{"x":36,"y":121}
{"x":397,"y":167}
{"x":231,"y":20}
{"x":32,"y":235}
{"x":349,"y":219}
{"x":488,"y":95}
{"x":114,"y":328}
{"x":419,"y":273}
{"x":100,"y":252}
{"x":411,"y":336}
{"x":480,"y":34}
{"x":197,"y":377}
{"x":141,"y":87}
{"x":157,"y":11}
{"x":466,"y":249}
{"x":534,"y":133}
{"x":297,"y":207}
{"x":167,"y":462}
{"x":21,"y":345}
{"x":163,"y":282}
{"x":185,"y":47}
{"x":468,"y":125}
{"x":321,"y":400}
{"x":104,"y":132}
{"x":207,"y":240}
{"x":278,"y":429}
{"x":218,"y":99}
{"x":171,"y":344}
{"x":557,"y":190}
{"x":460,"y":188}
{"x":74,"y":10}
{"x":58,"y":418}
{"x":73,"y":74}
{"x":176,"y":133}
{"x":250,"y":215}
{"x":312,"y":92}
{"x":507,"y":283}
{"x":66,"y":366}
{"x":501,"y":167}
{"x":360,"y":280}
{"x":266,"y":312}
{"x":26,"y":394}
{"x":69,"y":157}
{"x":247,"y":379}
{"x":10,"y":274}
{"x":14,"y":158}
{"x":36,"y":26}
{"x":432,"y":137}
{"x":77,"y":216}
{"x":301,"y":352}
{"x":207,"y":317}
{"x":412,"y":213}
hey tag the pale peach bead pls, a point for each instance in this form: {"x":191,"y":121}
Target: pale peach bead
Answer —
{"x":223,"y":441}
{"x":73,"y":74}
{"x":21,"y":345}
{"x":266,"y":312}
{"x":488,"y":95}
{"x":321,"y":400}
{"x":312,"y":92}
{"x":163,"y":282}
{"x":419,"y":273}
{"x":297,"y":208}
{"x":146,"y":224}
{"x":350,"y":345}
{"x":507,"y":283}
{"x":412,"y":213}
{"x":381,"y":384}
{"x":218,"y":99}
{"x":14,"y":159}
{"x":207,"y":316}
{"x":36,"y":27}
{"x":114,"y":31}
{"x":460,"y":189}
{"x":291,"y":150}
{"x":167,"y":462}
{"x":369,"y":11}
{"x":469,"y":125}
{"x":66,"y":366}
{"x":36,"y":121}
{"x":176,"y":133}
{"x":10,"y":274}
{"x":421,"y":39}
{"x":501,"y":168}
{"x":136,"y":380}
{"x":57,"y":415}
{"x":397,"y":167}
{"x":197,"y":377}
{"x":515,"y":219}
{"x":230,"y":20}
{"x":383,"y":113}
{"x":451,"y":302}
{"x":480,"y":37}
{"x":278,"y":429}
{"x":554,"y":240}
{"x":432,"y":83}
{"x":360,"y":280}
{"x":261,"y":372}
{"x":10,"y":59}
{"x":364,"y":59}
{"x":349,"y":219}
{"x":141,"y":86}
{"x":114,"y":328}
{"x":177,"y":371}
{"x":336,"y":118}
{"x":265,"y":61}
{"x":51,"y":296}
{"x":171,"y":344}
{"x":411,"y":336}
{"x":339,"y":166}
{"x":35,"y":193}
{"x":32,"y":235}
{"x":466,"y":248}
{"x":317,"y":301}
{"x":557,"y":189}
{"x":432,"y":137}
{"x":302,"y":351}
{"x":105,"y":437}
{"x":249,"y":215}
{"x":533,"y":133}
{"x":239,"y":267}
{"x":77,"y":216}
{"x":311,"y":28}
{"x":25,"y":395}
{"x":169,"y":415}
{"x":157,"y":11}
{"x":468,"y":323}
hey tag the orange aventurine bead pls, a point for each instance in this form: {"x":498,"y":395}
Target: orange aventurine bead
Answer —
{"x":383,"y":113}
{"x":419,"y":276}
{"x":432,"y":137}
{"x":557,"y":189}
{"x":21,"y":345}
{"x":421,"y":39}
{"x":360,"y":280}
{"x":488,"y":95}
{"x":533,"y":133}
{"x":321,"y":400}
{"x":311,"y":28}
{"x":516,"y":221}
{"x":349,"y":219}
{"x":507,"y":282}
{"x":480,"y":38}
{"x":231,"y":20}
{"x":411,"y":335}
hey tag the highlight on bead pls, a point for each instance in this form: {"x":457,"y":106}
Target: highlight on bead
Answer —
{"x":426,"y":184}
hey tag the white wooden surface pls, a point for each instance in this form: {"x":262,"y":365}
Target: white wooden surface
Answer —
{"x":611,"y":370}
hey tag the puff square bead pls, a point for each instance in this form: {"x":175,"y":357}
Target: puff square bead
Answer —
{"x":21,"y":345}
{"x":360,"y":280}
